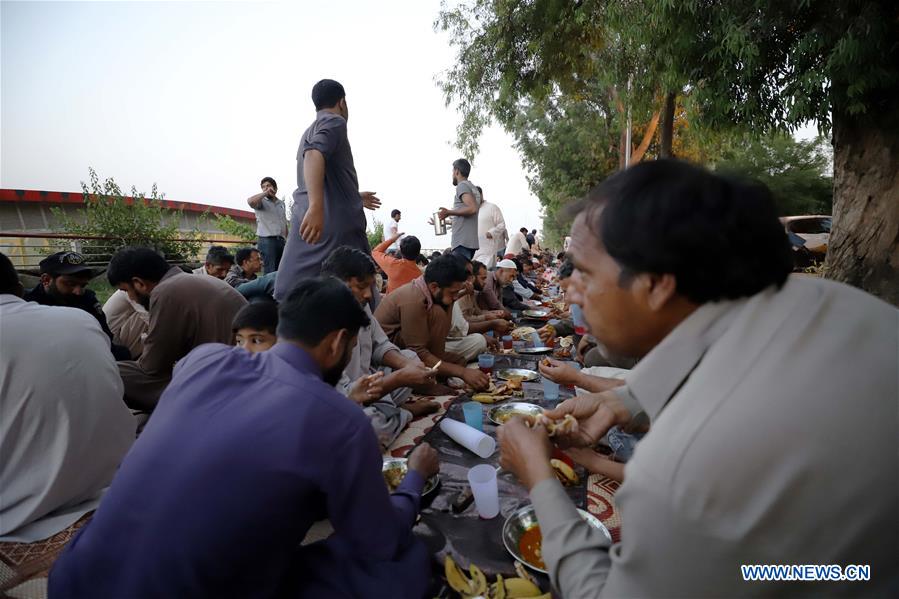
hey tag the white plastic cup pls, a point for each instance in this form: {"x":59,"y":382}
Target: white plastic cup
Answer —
{"x":482,"y":479}
{"x":470,"y":438}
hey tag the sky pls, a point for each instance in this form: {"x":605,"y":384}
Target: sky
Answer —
{"x":206,"y":98}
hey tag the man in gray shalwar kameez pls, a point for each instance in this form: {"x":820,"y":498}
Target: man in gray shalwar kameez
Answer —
{"x":379,"y":376}
{"x":327,"y":205}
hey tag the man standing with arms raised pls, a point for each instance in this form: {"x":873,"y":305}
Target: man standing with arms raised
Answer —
{"x":271,"y":223}
{"x":467,"y":200}
{"x":327,"y":205}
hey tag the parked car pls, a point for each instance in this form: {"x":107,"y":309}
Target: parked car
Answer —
{"x":809,"y":235}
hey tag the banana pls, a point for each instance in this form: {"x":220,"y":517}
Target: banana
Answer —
{"x":523,"y":573}
{"x":569,"y":476}
{"x":498,"y":588}
{"x":456,"y":578}
{"x":478,"y":580}
{"x":520,"y":587}
{"x":485,"y":398}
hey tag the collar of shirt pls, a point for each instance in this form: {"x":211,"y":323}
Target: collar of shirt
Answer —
{"x":296,"y":357}
{"x":659,"y":375}
{"x":420,"y":284}
{"x":7,"y":299}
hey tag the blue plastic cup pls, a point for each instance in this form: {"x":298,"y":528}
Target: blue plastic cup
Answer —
{"x":486,"y":362}
{"x":550,"y":390}
{"x":474,"y":416}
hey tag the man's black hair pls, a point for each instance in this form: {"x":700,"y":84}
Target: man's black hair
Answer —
{"x":410,"y":247}
{"x":446,"y":270}
{"x":524,"y":230}
{"x":327,"y":93}
{"x":719,"y":236}
{"x":130,"y":262}
{"x":477,"y":266}
{"x":436,"y":255}
{"x":218,"y":255}
{"x":316,"y":308}
{"x":566,"y":269}
{"x":463,"y":166}
{"x":9,"y":278}
{"x":346,"y":262}
{"x":421,"y":260}
{"x":243,"y":254}
{"x":268,"y":180}
{"x":394,"y":212}
{"x":260,"y":316}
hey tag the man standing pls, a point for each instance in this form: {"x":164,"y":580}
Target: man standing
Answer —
{"x":327,"y":204}
{"x":492,"y":234}
{"x":749,"y":377}
{"x":217,"y":264}
{"x":185,"y":311}
{"x":64,"y":281}
{"x":63,"y":426}
{"x":417,"y":316}
{"x":245,"y":452}
{"x":393,"y":228}
{"x":384,"y":397}
{"x":248,"y":264}
{"x":517,"y":244}
{"x":466,"y":202}
{"x":271,"y":223}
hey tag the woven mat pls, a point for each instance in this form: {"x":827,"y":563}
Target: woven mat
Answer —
{"x":418,"y":427}
{"x":24,"y":567}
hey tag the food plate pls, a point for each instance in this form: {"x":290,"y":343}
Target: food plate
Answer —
{"x":500,"y":414}
{"x":525,"y":519}
{"x":394,"y":470}
{"x":536,"y":313}
{"x":535,"y":350}
{"x":524,"y":374}
{"x":523,"y":332}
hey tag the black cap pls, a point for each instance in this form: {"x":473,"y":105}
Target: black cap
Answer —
{"x":65,"y":263}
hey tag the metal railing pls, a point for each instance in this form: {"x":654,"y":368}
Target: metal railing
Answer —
{"x":26,"y":250}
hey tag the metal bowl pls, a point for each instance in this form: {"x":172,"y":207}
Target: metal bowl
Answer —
{"x":522,"y":373}
{"x":515,"y":408}
{"x":535,"y":350}
{"x":524,"y":519}
{"x":536,"y":313}
{"x":401,"y":464}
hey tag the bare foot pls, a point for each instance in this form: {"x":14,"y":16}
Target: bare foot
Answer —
{"x":434,"y":389}
{"x":422,"y":408}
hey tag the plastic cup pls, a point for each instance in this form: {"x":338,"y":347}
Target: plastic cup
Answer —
{"x":577,"y":316}
{"x":470,"y":438}
{"x":474,"y":416}
{"x":489,"y":333}
{"x":507,"y":342}
{"x":486,"y":362}
{"x":535,"y":339}
{"x":482,"y":479}
{"x":550,"y":390}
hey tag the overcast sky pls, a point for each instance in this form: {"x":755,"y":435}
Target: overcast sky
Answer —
{"x":206,"y":98}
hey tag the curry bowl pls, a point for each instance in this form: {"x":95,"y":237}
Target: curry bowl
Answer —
{"x":522,"y":374}
{"x":394,"y":471}
{"x":500,"y":414}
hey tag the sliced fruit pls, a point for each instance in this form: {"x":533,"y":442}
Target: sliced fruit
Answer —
{"x":521,"y":587}
{"x":478,"y":580}
{"x":455,"y":578}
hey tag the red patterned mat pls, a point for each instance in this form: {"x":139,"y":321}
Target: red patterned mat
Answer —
{"x":418,"y":427}
{"x":23,"y":562}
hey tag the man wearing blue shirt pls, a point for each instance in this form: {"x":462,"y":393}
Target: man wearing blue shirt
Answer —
{"x":243,"y":454}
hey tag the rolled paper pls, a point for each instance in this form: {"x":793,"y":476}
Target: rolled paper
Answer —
{"x":469,"y":438}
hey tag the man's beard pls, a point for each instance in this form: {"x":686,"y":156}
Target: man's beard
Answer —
{"x":333,"y":374}
{"x":144,"y":300}
{"x":455,"y":182}
{"x":60,"y":298}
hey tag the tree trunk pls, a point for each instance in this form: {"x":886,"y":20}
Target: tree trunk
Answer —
{"x":665,"y":150}
{"x":650,"y":132}
{"x":864,"y":244}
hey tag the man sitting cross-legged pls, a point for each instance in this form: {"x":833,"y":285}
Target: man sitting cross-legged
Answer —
{"x":243,"y":454}
{"x":185,"y":311}
{"x":417,"y":316}
{"x":379,"y":374}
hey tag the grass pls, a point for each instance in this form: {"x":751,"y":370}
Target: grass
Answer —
{"x":100,"y":285}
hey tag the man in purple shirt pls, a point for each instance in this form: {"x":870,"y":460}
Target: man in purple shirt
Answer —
{"x":243,"y":454}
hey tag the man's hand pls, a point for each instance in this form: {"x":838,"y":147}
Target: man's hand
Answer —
{"x":559,"y":372}
{"x":525,"y":452}
{"x":313,"y":224}
{"x":367,"y":389}
{"x":416,"y":374}
{"x":476,"y":379}
{"x":424,"y":460}
{"x":492,"y":343}
{"x":501,"y":326}
{"x":596,"y":413}
{"x":494,"y":314}
{"x":442,"y":213}
{"x":370,"y":200}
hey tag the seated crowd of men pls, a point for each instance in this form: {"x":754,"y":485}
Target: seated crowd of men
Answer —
{"x":259,"y":419}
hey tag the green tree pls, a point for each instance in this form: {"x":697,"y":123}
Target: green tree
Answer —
{"x":138,"y":220}
{"x":242,"y":231}
{"x":777,"y":65}
{"x":794,"y":171}
{"x":377,"y":236}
